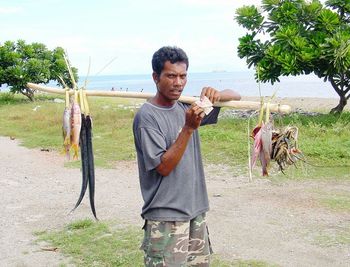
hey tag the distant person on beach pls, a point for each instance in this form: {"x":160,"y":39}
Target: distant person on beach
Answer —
{"x":112,"y":89}
{"x":170,"y":166}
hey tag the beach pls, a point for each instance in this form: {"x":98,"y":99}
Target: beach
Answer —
{"x":278,"y":223}
{"x":316,"y":104}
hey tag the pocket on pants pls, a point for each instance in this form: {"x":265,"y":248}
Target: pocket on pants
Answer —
{"x":154,"y":240}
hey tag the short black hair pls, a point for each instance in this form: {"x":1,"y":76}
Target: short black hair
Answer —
{"x":168,"y":53}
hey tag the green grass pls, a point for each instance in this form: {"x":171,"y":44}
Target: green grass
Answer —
{"x":97,"y":244}
{"x":91,"y":243}
{"x":324,"y":139}
{"x":216,"y":262}
{"x":339,"y":235}
{"x":336,"y":202}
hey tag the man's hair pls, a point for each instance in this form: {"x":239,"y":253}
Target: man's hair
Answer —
{"x":168,"y":53}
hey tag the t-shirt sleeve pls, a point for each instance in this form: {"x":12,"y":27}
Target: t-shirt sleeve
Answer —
{"x":212,"y":117}
{"x":153,"y":146}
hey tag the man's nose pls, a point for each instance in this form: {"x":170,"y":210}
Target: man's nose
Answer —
{"x":178,"y":80}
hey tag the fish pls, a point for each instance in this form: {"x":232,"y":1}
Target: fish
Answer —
{"x":91,"y":166}
{"x":257,"y":146}
{"x":84,"y":162}
{"x":266,"y":146}
{"x":66,"y":127}
{"x":75,"y":128}
{"x":284,"y":147}
{"x":66,"y":131}
{"x":87,"y":157}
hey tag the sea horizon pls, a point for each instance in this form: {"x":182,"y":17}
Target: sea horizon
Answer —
{"x":241,"y":81}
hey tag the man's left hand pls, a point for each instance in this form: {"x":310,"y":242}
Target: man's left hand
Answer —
{"x":212,"y":94}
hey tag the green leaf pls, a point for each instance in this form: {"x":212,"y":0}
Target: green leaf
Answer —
{"x":249,"y":17}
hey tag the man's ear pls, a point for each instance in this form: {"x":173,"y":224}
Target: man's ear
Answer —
{"x":155,"y":77}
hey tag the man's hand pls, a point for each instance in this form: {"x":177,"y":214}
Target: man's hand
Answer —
{"x":212,"y":94}
{"x":194,"y":116}
{"x":173,"y":155}
{"x":216,"y":96}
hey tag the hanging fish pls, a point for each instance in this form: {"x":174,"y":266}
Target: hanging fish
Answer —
{"x":87,"y":157}
{"x":273,"y":144}
{"x":262,"y":135}
{"x":90,"y":164}
{"x":90,"y":153}
{"x":75,"y":127}
{"x":284,"y":147}
{"x":257,"y":146}
{"x":84,"y":162}
{"x":81,"y":134}
{"x":66,"y":127}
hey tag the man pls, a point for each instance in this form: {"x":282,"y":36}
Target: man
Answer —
{"x":170,"y":166}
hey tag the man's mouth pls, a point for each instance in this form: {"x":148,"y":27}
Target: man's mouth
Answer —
{"x":176,"y":91}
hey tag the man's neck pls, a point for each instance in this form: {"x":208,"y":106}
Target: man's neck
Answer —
{"x":158,"y":101}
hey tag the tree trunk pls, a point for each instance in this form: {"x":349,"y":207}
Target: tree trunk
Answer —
{"x":342,"y":90}
{"x":339,"y":108}
{"x":28,"y":93}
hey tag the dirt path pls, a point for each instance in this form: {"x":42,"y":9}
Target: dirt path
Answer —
{"x":280,"y":224}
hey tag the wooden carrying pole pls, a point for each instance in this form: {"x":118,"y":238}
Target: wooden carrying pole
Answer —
{"x":253,"y":105}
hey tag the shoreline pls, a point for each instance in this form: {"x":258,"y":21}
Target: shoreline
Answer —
{"x":317,"y":104}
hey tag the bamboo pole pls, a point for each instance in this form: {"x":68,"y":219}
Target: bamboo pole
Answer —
{"x":253,"y":105}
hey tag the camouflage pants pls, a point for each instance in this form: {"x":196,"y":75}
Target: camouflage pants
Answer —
{"x":176,"y":244}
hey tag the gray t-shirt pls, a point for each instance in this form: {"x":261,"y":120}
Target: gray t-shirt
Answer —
{"x":182,"y":195}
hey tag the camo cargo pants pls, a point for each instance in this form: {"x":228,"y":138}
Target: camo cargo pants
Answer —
{"x":176,"y":244}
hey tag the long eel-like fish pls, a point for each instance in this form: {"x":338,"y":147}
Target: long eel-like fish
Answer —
{"x":85,"y":142}
{"x":84,"y":161}
{"x":87,"y":157}
{"x":91,"y":166}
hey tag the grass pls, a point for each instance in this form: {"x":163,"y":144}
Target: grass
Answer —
{"x":333,"y":237}
{"x":109,"y":244}
{"x":97,"y":244}
{"x":324,"y":139}
{"x":336,"y":202}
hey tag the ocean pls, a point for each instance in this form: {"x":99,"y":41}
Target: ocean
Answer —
{"x":243,"y":82}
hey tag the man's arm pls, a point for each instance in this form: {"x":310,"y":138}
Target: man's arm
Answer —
{"x":194,"y":116}
{"x":216,"y":96}
{"x":173,"y":155}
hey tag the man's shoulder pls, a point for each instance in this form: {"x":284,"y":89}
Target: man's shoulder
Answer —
{"x":145,"y":115}
{"x":144,"y":109}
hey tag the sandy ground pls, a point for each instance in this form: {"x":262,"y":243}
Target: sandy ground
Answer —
{"x":248,"y":220}
{"x":323,"y":105}
{"x":278,"y":223}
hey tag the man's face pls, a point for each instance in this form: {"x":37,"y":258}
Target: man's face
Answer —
{"x":171,"y":82}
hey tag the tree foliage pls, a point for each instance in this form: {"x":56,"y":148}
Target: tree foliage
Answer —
{"x":21,"y":63}
{"x":295,"y":37}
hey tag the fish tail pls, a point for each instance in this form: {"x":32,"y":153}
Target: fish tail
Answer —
{"x":66,"y":140}
{"x":264,"y":163}
{"x":91,"y":173}
{"x":85,"y":180}
{"x":75,"y":148}
{"x":67,"y":154}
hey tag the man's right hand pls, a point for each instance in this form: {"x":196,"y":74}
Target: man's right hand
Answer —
{"x":194,"y":116}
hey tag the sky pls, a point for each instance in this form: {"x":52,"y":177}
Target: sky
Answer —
{"x":129,"y":32}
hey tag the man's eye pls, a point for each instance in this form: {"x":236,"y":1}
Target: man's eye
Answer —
{"x":183,"y":76}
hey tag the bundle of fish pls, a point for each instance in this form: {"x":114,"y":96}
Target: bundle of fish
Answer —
{"x":279,"y":145}
{"x":77,"y":133}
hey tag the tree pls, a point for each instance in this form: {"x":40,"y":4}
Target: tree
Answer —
{"x":21,"y":63}
{"x":303,"y":37}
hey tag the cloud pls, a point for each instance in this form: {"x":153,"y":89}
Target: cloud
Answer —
{"x":228,"y":3}
{"x":10,"y":10}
